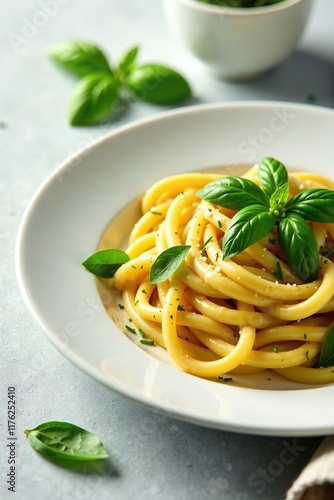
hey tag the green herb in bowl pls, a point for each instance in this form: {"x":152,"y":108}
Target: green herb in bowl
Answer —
{"x":242,"y":3}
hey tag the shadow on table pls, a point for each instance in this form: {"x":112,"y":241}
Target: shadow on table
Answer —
{"x":104,"y":468}
{"x":303,"y":77}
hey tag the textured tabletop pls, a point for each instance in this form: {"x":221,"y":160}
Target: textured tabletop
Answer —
{"x":151,"y":454}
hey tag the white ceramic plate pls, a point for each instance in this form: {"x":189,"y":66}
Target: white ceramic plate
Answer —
{"x":69,"y":213}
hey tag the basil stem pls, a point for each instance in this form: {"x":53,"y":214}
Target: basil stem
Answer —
{"x":66,"y":441}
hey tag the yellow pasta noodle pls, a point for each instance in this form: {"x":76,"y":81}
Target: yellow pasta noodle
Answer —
{"x":220,"y":317}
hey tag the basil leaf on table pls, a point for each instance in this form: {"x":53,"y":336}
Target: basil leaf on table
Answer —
{"x":248,"y":226}
{"x":167,"y":263}
{"x":158,"y":84}
{"x":316,"y":204}
{"x":327,"y":350}
{"x":80,"y":57}
{"x":93,"y":98}
{"x":127,"y":61}
{"x":104,"y":86}
{"x":299,"y":246}
{"x":272,"y":174}
{"x":105,"y":263}
{"x":66,"y":441}
{"x":234,"y":193}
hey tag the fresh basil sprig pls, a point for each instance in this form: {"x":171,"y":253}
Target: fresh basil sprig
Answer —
{"x":63,"y":440}
{"x":258,"y":212}
{"x":105,"y":263}
{"x":103,"y":87}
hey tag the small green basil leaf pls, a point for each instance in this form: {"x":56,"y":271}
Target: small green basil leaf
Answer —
{"x":248,"y":226}
{"x":158,"y":84}
{"x":272,"y":174}
{"x":299,"y":246}
{"x":93,"y":99}
{"x":127,"y":61}
{"x":314,"y":204}
{"x":167,"y":263}
{"x":327,"y":350}
{"x":233,"y":192}
{"x":66,"y":441}
{"x":279,"y":198}
{"x":79,"y":57}
{"x":105,"y":263}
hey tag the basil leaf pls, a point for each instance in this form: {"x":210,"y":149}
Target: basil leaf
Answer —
{"x":248,"y":226}
{"x":314,"y":204}
{"x":127,"y":61}
{"x":327,"y":350}
{"x":65,"y":441}
{"x":79,"y":57}
{"x":158,"y":84}
{"x":167,"y":263}
{"x":279,"y":198}
{"x":299,"y":246}
{"x":272,"y":174}
{"x":93,"y":99}
{"x":105,"y":263}
{"x":234,"y":193}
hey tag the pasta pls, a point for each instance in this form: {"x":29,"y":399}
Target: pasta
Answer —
{"x":220,"y":317}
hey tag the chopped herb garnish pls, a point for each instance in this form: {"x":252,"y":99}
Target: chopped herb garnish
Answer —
{"x":219,"y":224}
{"x":307,"y":356}
{"x":121,"y":306}
{"x":203,"y":249}
{"x":155,"y":213}
{"x":180,"y":308}
{"x":279,"y":272}
{"x":141,"y":332}
{"x":129,"y":329}
{"x":275,"y":348}
{"x":147,"y":341}
{"x":225,"y":379}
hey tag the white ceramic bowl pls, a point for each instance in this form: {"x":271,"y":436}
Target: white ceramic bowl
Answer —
{"x":238,"y":43}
